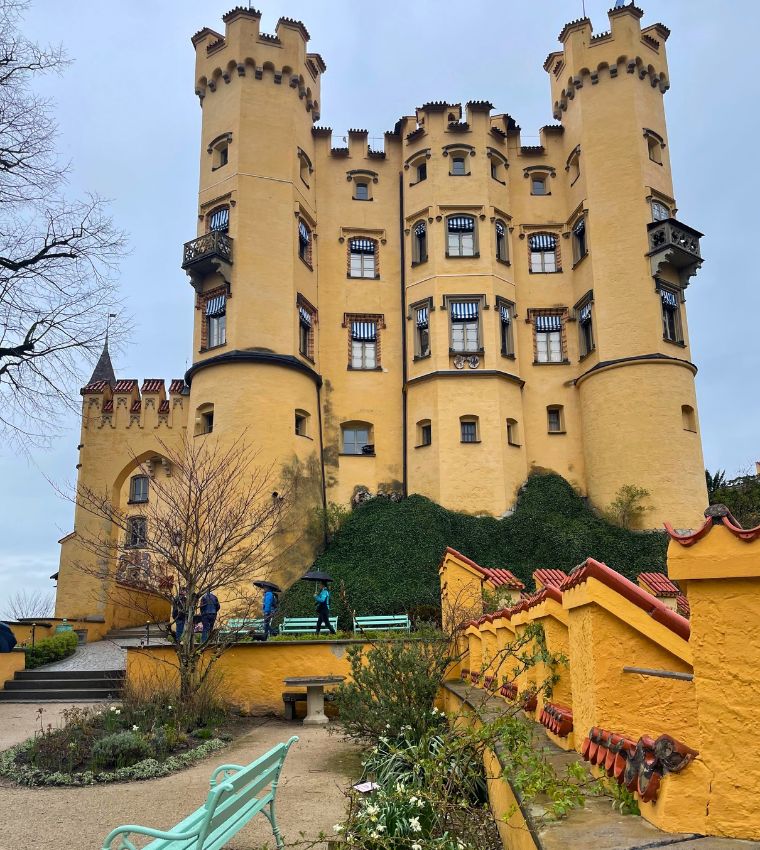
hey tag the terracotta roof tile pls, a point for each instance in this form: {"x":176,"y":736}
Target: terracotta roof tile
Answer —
{"x":549,"y":577}
{"x":94,"y":387}
{"x":108,"y":406}
{"x":715,"y":515}
{"x":152,"y":385}
{"x":136,"y":406}
{"x":659,"y":584}
{"x":682,"y":606}
{"x":657,"y":610}
{"x":126,"y":385}
{"x":164,"y":406}
{"x":503,"y":578}
{"x":548,"y":592}
{"x":177,"y":385}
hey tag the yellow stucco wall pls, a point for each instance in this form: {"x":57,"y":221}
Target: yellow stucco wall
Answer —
{"x":10,"y":663}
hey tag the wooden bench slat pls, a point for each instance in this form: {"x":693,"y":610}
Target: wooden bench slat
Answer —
{"x":301,"y":625}
{"x":383,"y":622}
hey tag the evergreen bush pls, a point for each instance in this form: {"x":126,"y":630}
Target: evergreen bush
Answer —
{"x":385,"y":556}
{"x":51,"y":649}
{"x":122,"y":749}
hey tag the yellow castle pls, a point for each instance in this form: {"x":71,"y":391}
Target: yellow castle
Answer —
{"x":438,"y":317}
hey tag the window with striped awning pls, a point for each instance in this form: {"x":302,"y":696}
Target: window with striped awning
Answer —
{"x":364,"y":331}
{"x":580,"y":227}
{"x":584,"y":314}
{"x":420,"y":229}
{"x":216,"y":306}
{"x":669,"y":299}
{"x":422,"y":317}
{"x":461,"y":224}
{"x":362,"y":246}
{"x":303,"y":232}
{"x":506,"y":317}
{"x":548,"y":324}
{"x":305,"y":316}
{"x":542,"y":242}
{"x":219,"y":220}
{"x":464,"y":311}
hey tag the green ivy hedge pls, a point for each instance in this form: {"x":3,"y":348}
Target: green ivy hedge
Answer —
{"x":385,"y":557}
{"x":51,"y":649}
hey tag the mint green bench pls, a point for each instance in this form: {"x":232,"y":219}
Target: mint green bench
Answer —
{"x":387,"y":623}
{"x":238,"y":793}
{"x":303,"y":625}
{"x":242,"y":625}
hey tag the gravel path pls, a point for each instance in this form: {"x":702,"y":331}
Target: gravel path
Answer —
{"x":101,"y":655}
{"x":310,"y":798}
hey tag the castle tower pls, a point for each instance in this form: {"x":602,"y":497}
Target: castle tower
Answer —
{"x":636,"y":386}
{"x":254,"y":263}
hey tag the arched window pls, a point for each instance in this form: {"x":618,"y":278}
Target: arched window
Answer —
{"x":555,"y":419}
{"x":469,"y":431}
{"x":302,"y":423}
{"x":461,"y":236}
{"x":357,"y":438}
{"x":544,"y":252}
{"x":689,"y":417}
{"x":304,"y":242}
{"x":655,"y":146}
{"x":204,"y":419}
{"x":304,"y":166}
{"x":362,"y":258}
{"x":424,"y":433}
{"x":580,"y":239}
{"x":137,"y":532}
{"x":218,"y":220}
{"x":502,"y":249}
{"x":513,"y":432}
{"x":419,"y":242}
{"x":138,"y":489}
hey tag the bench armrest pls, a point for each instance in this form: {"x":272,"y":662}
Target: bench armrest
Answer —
{"x":223,"y":768}
{"x":129,"y":829}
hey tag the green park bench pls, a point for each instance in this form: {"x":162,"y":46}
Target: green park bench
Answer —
{"x":238,"y":793}
{"x":387,"y":623}
{"x":303,"y":625}
{"x":242,"y":625}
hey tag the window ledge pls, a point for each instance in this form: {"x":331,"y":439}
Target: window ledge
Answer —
{"x":362,"y":277}
{"x":587,"y":354}
{"x":503,"y":182}
{"x":579,"y":260}
{"x":351,"y":368}
{"x":514,"y":445}
{"x":423,"y":445}
{"x":354,"y":454}
{"x":551,"y":362}
{"x":419,"y":262}
{"x":470,"y":442}
{"x":306,"y":357}
{"x":305,"y":436}
{"x":212,"y":347}
{"x":508,"y":356}
{"x":421,"y":357}
{"x":306,"y":263}
{"x":690,"y":430}
{"x":556,"y":271}
{"x":676,"y":342}
{"x":503,"y":262}
{"x":417,"y":182}
{"x":454,"y":353}
{"x":460,"y":175}
{"x":556,"y":432}
{"x":217,"y":167}
{"x":137,"y":501}
{"x":362,"y":199}
{"x":474,"y":256}
{"x":541,"y":195}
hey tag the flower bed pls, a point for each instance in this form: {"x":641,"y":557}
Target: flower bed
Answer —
{"x":109,"y":744}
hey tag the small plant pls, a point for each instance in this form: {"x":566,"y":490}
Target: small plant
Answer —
{"x":122,"y":749}
{"x":51,"y":649}
{"x":627,"y":508}
{"x":623,"y":800}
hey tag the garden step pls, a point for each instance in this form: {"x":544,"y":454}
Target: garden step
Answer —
{"x":47,"y":695}
{"x":85,"y":682}
{"x":69,"y":674}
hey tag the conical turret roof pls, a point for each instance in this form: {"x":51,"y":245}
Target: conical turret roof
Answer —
{"x":104,"y":368}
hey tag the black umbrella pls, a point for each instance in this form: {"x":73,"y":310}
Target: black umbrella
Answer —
{"x":316,"y":576}
{"x":268,"y":585}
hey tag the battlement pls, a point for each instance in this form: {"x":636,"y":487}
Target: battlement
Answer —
{"x":625,"y":48}
{"x":244,"y":51}
{"x":124,"y":404}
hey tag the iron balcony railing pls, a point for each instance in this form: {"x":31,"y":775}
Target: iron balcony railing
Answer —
{"x":215,"y":245}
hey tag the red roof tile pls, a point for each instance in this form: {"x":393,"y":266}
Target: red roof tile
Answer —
{"x":153,"y":385}
{"x":715,"y":515}
{"x":126,"y":385}
{"x":177,"y":385}
{"x":682,"y":605}
{"x":108,"y":406}
{"x":164,"y":406}
{"x":94,"y":387}
{"x":548,"y":592}
{"x":657,"y":610}
{"x":659,"y":584}
{"x":496,"y":576}
{"x":136,"y":406}
{"x":549,"y":577}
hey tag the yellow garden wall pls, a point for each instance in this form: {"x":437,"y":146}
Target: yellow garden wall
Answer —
{"x":10,"y":662}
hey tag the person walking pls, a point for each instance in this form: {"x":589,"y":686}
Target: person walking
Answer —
{"x":269,"y":605}
{"x":179,"y":613}
{"x":209,"y":609}
{"x":322,"y":598}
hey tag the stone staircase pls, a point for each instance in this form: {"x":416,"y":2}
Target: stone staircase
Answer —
{"x":63,"y":686}
{"x":155,"y":632}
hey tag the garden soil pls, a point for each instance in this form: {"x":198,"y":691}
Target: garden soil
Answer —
{"x":310,"y":799}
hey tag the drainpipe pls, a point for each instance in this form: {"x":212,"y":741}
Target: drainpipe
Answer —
{"x":405,"y":473}
{"x":322,"y":464}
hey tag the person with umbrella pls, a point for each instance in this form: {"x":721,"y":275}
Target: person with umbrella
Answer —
{"x":270,"y":604}
{"x":322,"y":598}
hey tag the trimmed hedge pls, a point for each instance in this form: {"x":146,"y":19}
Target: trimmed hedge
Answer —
{"x":386,"y":554}
{"x":51,"y":649}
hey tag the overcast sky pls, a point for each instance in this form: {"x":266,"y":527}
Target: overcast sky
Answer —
{"x":130,"y":123}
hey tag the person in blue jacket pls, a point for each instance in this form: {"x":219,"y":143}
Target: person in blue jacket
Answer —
{"x":7,"y":638}
{"x":270,"y":607}
{"x":209,"y":606}
{"x":322,"y":598}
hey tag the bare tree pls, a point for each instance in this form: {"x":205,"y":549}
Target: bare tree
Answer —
{"x":57,"y":256}
{"x":208,"y":526}
{"x":25,"y":604}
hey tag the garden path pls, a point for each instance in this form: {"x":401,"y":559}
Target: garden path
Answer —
{"x":310,"y":798}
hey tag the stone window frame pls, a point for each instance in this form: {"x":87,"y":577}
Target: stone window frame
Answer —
{"x":583,"y":344}
{"x":219,"y":150}
{"x":557,"y":249}
{"x":200,"y":304}
{"x":511,"y":351}
{"x":459,"y":150}
{"x":655,"y":146}
{"x":302,"y":301}
{"x":379,"y":320}
{"x":563,"y":313}
{"x":412,"y":316}
{"x":376,"y":255}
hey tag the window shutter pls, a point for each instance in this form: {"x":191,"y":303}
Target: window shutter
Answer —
{"x":420,"y":230}
{"x":580,"y":227}
{"x":499,"y":228}
{"x":303,"y":232}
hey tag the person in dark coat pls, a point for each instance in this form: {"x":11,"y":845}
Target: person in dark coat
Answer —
{"x":270,"y":607}
{"x":7,"y":638}
{"x":209,"y":606}
{"x":322,"y":599}
{"x":179,"y":613}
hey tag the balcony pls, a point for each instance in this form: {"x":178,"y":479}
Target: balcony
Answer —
{"x":208,"y":254}
{"x":674,"y":244}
